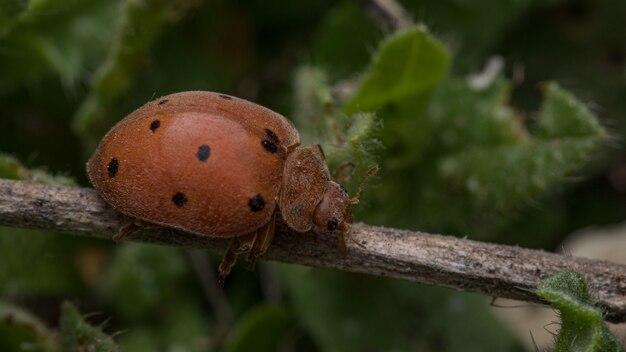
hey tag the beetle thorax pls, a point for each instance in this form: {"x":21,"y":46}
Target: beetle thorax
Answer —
{"x":309,"y":200}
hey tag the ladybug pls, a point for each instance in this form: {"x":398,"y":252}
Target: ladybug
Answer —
{"x":219,"y":166}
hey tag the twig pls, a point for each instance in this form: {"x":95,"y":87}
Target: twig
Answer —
{"x":465,"y":265}
{"x":388,"y":14}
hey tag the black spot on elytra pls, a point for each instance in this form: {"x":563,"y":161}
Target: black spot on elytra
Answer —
{"x":164,"y":101}
{"x":154,"y":125}
{"x":256,"y":203}
{"x":332,"y":224}
{"x":179,"y":199}
{"x":113,"y":166}
{"x":204,"y":152}
{"x":272,"y":136}
{"x":224,"y":96}
{"x":269,"y":146}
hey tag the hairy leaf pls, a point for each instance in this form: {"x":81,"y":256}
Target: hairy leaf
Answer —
{"x":346,"y":140}
{"x":12,"y":168}
{"x":78,"y":335}
{"x":61,"y":37}
{"x":406,"y":64}
{"x":582,"y":327}
{"x":19,"y":328}
{"x":486,"y":163}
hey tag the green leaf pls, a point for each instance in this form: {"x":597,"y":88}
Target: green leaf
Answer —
{"x":12,"y":169}
{"x":78,"y":335}
{"x":344,"y":139}
{"x":563,"y":116}
{"x":463,"y":116}
{"x":19,"y":328}
{"x":63,"y":37}
{"x":359,"y":140}
{"x":567,"y":137}
{"x":582,"y":327}
{"x":262,"y":329}
{"x":406,"y":64}
{"x":484,"y":163}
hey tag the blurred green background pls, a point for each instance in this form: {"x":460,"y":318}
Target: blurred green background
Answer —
{"x":471,"y":137}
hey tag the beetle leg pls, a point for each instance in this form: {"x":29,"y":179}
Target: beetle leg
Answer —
{"x":238,"y":245}
{"x":126,"y":231}
{"x":342,"y":243}
{"x":264,"y":238}
{"x":353,"y":240}
{"x":341,"y":238}
{"x":131,"y":228}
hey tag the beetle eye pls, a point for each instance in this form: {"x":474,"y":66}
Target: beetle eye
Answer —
{"x":343,"y":189}
{"x":332,"y":224}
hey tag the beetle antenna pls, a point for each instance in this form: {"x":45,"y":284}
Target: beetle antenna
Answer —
{"x":371,"y":172}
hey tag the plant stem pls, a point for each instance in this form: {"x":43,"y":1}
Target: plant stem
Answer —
{"x":389,"y":15}
{"x":465,"y":265}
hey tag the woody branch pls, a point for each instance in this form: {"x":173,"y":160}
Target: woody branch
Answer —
{"x":461,"y":264}
{"x":389,"y":15}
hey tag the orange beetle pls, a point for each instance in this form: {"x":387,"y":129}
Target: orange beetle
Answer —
{"x":215,"y":165}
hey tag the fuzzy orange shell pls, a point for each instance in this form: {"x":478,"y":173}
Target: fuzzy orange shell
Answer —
{"x":202,"y":162}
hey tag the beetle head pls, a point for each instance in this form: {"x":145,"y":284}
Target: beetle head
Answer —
{"x":333,"y":214}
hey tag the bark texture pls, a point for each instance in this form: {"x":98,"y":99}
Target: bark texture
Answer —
{"x":461,"y":264}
